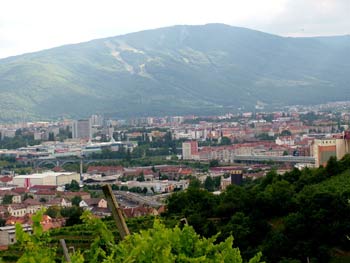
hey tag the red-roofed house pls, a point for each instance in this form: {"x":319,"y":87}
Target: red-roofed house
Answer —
{"x":93,"y":202}
{"x":70,"y":195}
{"x":106,"y":170}
{"x":46,"y":195}
{"x":61,"y":202}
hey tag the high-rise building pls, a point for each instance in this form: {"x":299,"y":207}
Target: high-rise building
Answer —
{"x":96,"y":120}
{"x":81,"y":129}
{"x":189,"y":150}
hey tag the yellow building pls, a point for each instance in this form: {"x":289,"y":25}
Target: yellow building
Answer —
{"x":323,"y":149}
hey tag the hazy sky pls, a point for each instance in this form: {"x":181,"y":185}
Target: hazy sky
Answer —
{"x":31,"y":25}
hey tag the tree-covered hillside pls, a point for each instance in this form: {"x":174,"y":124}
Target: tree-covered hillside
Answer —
{"x":175,"y":70}
{"x":295,"y":217}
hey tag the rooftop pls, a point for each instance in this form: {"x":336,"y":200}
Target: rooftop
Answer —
{"x":42,"y":175}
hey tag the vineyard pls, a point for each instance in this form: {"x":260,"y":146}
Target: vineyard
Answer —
{"x":156,"y":244}
{"x":79,"y":237}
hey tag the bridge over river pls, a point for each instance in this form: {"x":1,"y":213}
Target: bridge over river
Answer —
{"x":62,"y":161}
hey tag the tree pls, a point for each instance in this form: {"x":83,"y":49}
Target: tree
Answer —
{"x":51,"y":136}
{"x":194,"y":183}
{"x":141,"y":177}
{"x":76,"y":200}
{"x":7,"y":199}
{"x":333,"y":166}
{"x":72,"y":214}
{"x":73,"y":186}
{"x":27,"y":196}
{"x":115,"y":187}
{"x":53,"y":211}
{"x":124,"y":188}
{"x":163,"y":177}
{"x":209,"y":184}
{"x":214,"y":163}
{"x":225,"y":141}
{"x":145,"y":190}
{"x":217,"y":182}
{"x":286,"y":133}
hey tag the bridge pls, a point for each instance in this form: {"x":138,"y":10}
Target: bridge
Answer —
{"x":61,"y":161}
{"x":279,"y":159}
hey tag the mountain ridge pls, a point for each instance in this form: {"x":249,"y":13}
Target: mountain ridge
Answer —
{"x":174,"y":70}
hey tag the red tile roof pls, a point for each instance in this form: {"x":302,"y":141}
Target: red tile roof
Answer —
{"x":46,"y":192}
{"x":5,"y":179}
{"x":42,"y":187}
{"x":105,"y":169}
{"x":20,"y":190}
{"x":8,"y":192}
{"x":31,"y":201}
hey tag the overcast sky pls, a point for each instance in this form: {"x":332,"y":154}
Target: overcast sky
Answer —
{"x":31,"y":25}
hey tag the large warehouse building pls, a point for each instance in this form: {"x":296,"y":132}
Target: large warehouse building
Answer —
{"x":47,"y":178}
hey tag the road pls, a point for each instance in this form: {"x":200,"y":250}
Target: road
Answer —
{"x":136,"y":198}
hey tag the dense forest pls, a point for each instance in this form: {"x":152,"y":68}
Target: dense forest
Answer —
{"x":300,"y":216}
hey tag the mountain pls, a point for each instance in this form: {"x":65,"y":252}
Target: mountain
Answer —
{"x":175,"y":70}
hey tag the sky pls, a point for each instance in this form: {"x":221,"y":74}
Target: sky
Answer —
{"x":27,"y":26}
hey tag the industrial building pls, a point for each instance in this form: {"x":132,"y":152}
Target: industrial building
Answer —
{"x":47,"y":178}
{"x":323,"y":149}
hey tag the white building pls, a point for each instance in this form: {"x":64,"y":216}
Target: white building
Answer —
{"x":189,"y":150}
{"x":47,"y":178}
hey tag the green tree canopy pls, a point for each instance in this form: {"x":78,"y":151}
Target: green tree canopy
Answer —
{"x":7,"y":199}
{"x":73,"y":186}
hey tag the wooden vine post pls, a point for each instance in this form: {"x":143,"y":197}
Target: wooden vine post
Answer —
{"x":116,"y":211}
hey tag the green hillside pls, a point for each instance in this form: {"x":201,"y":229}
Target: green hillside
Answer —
{"x":301,"y":216}
{"x":175,"y":70}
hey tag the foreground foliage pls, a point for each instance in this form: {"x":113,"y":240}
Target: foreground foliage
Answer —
{"x":157,"y":244}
